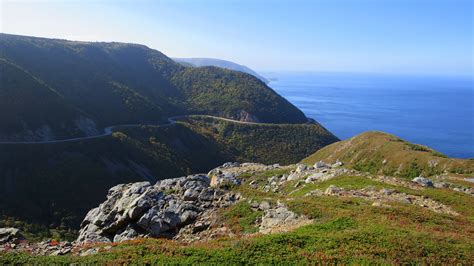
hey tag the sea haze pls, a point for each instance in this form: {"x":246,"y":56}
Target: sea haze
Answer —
{"x":434,"y":111}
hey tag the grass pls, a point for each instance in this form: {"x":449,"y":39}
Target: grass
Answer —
{"x":242,"y":218}
{"x":382,"y":153}
{"x":344,"y":231}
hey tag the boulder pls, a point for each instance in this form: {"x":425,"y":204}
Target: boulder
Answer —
{"x":220,"y":179}
{"x":313,"y":177}
{"x":160,"y":210}
{"x":264,"y":205}
{"x":423,"y":181}
{"x":320,"y":165}
{"x":10,"y":235}
{"x":300,"y":168}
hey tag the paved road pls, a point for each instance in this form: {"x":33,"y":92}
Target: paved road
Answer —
{"x":109,"y":130}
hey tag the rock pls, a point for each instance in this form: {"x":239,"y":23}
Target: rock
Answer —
{"x":320,"y":165}
{"x":333,"y":190}
{"x":127,"y":234}
{"x":254,"y":204}
{"x":313,"y":177}
{"x":299,"y":183}
{"x":160,"y":210}
{"x":423,"y":181}
{"x":10,"y":235}
{"x":316,"y":192}
{"x":300,"y":168}
{"x":264,"y":205}
{"x":441,"y":185}
{"x":387,"y":191}
{"x":253,"y":184}
{"x":292,"y":176}
{"x":337,"y":164}
{"x":198,"y":227}
{"x":90,"y":251}
{"x":230,"y":164}
{"x":222,"y":179}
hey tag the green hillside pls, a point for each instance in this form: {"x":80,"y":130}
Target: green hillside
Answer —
{"x":53,"y":185}
{"x":119,"y":83}
{"x":30,"y":109}
{"x":382,"y":153}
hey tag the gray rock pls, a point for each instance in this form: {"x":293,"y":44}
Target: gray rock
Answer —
{"x":139,"y":209}
{"x":314,"y":177}
{"x":441,"y":185}
{"x":127,"y":234}
{"x":300,"y":168}
{"x":320,"y":165}
{"x":223,"y":179}
{"x":423,"y":181}
{"x":264,"y":205}
{"x":387,"y":191}
{"x":230,"y":164}
{"x":337,"y":164}
{"x":10,"y":235}
{"x":333,"y":190}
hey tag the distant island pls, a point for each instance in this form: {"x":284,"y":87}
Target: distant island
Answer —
{"x":201,"y":62}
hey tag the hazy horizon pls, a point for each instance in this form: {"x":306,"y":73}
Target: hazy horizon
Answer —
{"x":393,"y":37}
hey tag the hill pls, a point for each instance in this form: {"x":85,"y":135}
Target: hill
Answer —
{"x":269,"y":214}
{"x":31,"y":110}
{"x":46,"y":189}
{"x":382,"y":153}
{"x":201,"y":62}
{"x":120,"y":83}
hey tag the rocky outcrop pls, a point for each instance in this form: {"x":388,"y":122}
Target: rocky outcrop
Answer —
{"x":280,"y":219}
{"x":389,"y":195}
{"x":245,"y":116}
{"x":10,"y":235}
{"x":160,"y":210}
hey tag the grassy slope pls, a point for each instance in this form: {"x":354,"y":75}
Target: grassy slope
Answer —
{"x":367,"y":152}
{"x":345,"y":230}
{"x":55,"y":185}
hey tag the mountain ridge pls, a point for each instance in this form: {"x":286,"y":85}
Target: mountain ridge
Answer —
{"x":120,"y":83}
{"x":201,"y":61}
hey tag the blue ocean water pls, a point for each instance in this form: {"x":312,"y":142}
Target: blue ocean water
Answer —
{"x":433,"y":111}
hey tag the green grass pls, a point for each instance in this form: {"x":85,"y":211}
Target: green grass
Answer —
{"x":241,"y":217}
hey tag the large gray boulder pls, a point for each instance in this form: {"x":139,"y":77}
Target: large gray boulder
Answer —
{"x":423,"y":181}
{"x":160,"y":210}
{"x":10,"y":235}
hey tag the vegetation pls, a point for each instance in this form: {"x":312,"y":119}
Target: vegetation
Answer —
{"x":45,"y":183}
{"x":241,"y":217}
{"x":117,"y":83}
{"x":381,"y":153}
{"x":344,"y":230}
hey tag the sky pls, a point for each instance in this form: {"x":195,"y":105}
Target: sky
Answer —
{"x":384,"y":36}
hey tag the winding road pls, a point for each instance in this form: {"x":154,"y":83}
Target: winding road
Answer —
{"x":109,"y":130}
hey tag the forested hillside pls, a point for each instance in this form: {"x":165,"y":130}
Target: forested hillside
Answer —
{"x":120,"y":83}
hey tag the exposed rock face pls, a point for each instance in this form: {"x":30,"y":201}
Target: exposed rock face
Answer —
{"x":245,"y":116}
{"x":160,"y":210}
{"x":10,"y":235}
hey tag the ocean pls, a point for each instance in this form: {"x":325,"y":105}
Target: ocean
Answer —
{"x":434,"y":111}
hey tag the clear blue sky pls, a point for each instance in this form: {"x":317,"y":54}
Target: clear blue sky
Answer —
{"x":405,"y":36}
